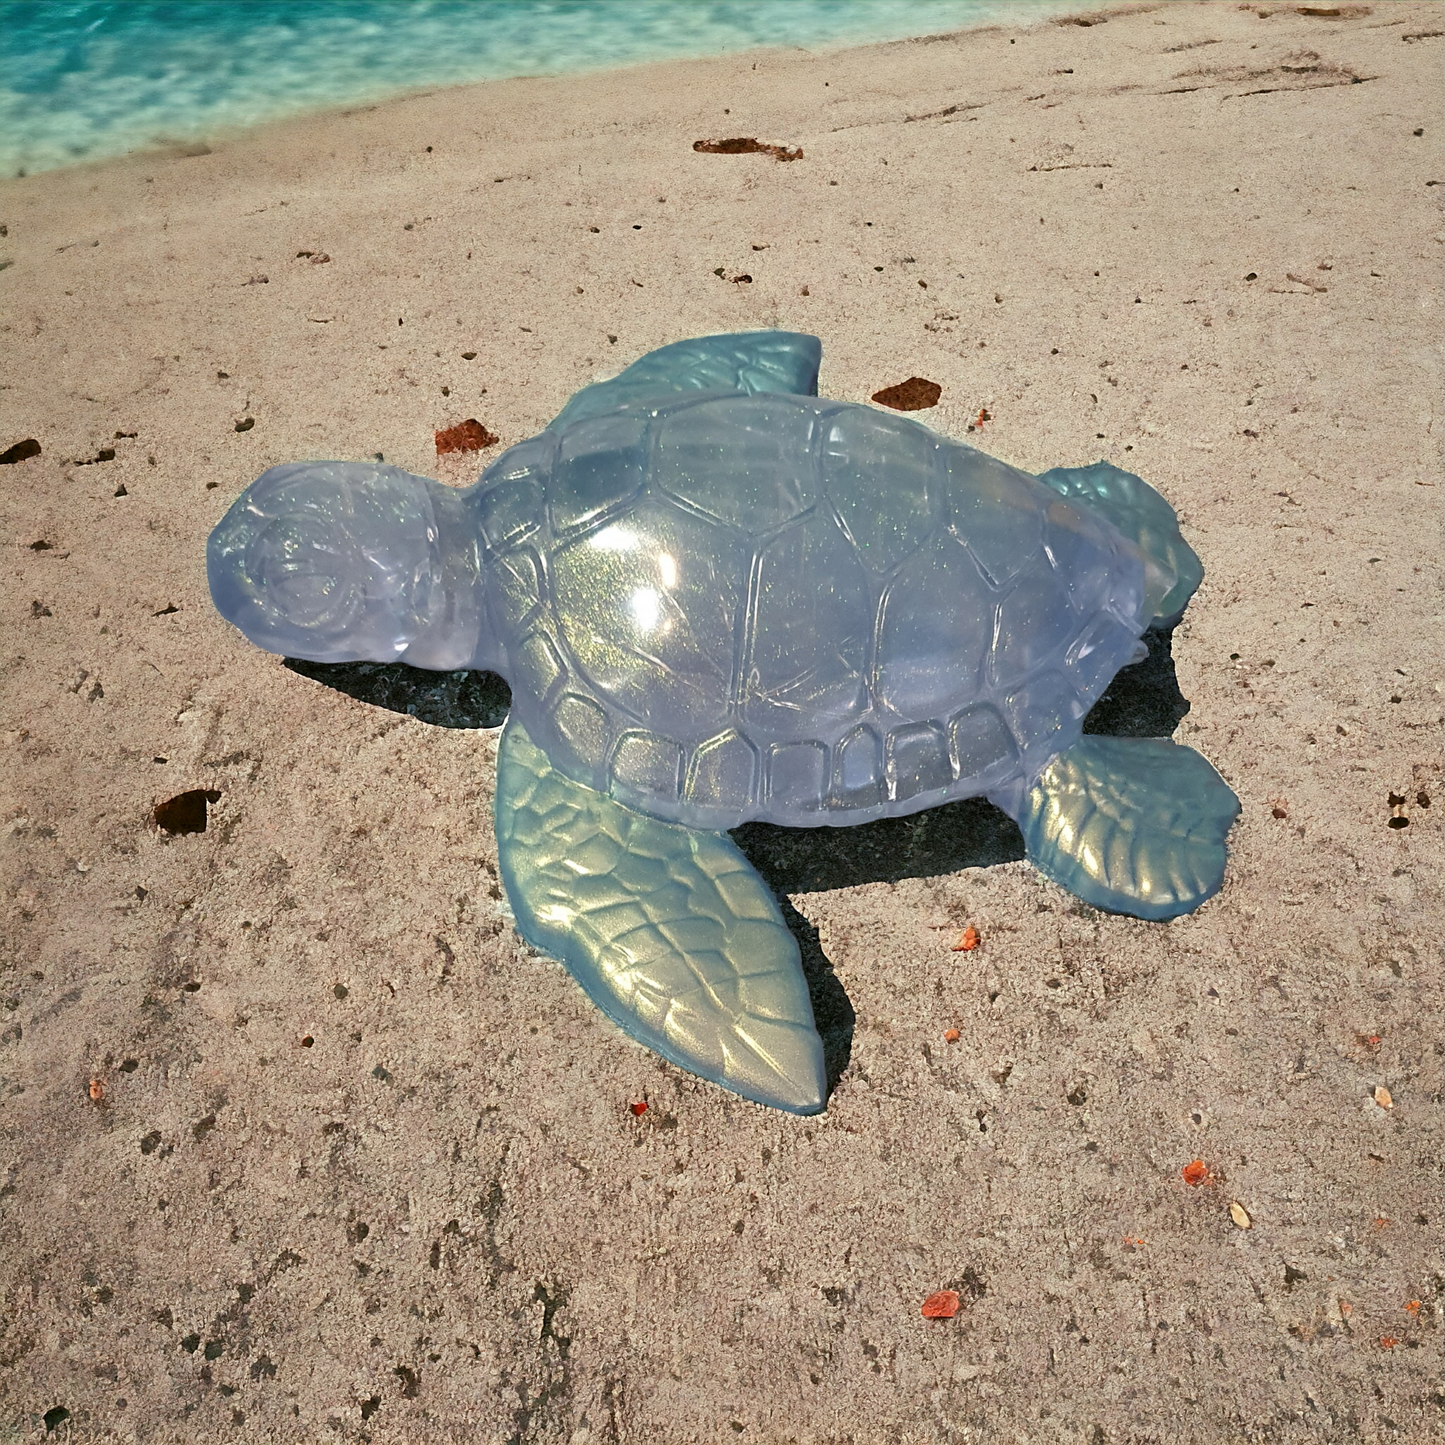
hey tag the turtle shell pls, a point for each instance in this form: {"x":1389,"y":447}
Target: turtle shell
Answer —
{"x":720,"y":607}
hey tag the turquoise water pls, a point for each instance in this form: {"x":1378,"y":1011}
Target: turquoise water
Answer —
{"x":88,"y":79}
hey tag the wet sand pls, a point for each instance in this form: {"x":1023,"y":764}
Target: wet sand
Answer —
{"x":363,"y":1166}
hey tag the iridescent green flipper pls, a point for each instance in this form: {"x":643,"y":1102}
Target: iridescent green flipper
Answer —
{"x":750,"y":363}
{"x":1145,"y":518}
{"x":669,"y":931}
{"x":1134,"y":825}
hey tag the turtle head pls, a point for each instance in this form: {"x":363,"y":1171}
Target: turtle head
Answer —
{"x":349,"y":562}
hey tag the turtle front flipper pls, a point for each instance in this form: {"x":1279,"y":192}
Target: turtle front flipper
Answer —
{"x":1133,"y":825}
{"x":669,"y":931}
{"x":744,"y":361}
{"x":1146,"y":519}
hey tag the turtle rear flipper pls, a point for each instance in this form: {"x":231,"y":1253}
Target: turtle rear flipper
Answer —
{"x":669,"y":931}
{"x":1133,"y":825}
{"x":1147,"y":520}
{"x":748,"y":362}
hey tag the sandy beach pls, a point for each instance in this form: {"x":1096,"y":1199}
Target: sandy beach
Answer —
{"x":302,"y":1143}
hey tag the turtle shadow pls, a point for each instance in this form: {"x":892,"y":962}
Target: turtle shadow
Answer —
{"x":463,"y":699}
{"x":833,"y":1013}
{"x":1143,"y":701}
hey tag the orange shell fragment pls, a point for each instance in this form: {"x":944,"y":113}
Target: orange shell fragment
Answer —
{"x":1195,"y":1173}
{"x":942,"y":1304}
{"x":968,"y":942}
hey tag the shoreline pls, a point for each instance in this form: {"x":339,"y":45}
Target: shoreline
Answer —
{"x":361,"y":1161}
{"x":177,"y":136}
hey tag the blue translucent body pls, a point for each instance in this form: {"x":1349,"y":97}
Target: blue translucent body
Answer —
{"x":719,"y":607}
{"x":718,"y":597}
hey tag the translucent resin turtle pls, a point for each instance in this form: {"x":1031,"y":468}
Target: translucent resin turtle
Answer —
{"x":718,"y":597}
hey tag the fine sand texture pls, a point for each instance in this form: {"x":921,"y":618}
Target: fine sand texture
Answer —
{"x":357,"y":1165}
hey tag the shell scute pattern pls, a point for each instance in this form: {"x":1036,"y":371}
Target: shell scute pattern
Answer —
{"x":718,"y":608}
{"x":858,"y":769}
{"x":797,"y":774}
{"x":746,"y":461}
{"x":860,"y":447}
{"x":1091,"y":655}
{"x":1040,"y":712}
{"x":646,"y":765}
{"x":809,"y":634}
{"x":515,"y":588}
{"x":918,"y":761}
{"x":938,"y":607}
{"x":536,"y":664}
{"x":980,"y":744}
{"x":511,"y":507}
{"x":723,"y":773}
{"x":584,"y":729}
{"x":649,"y":605}
{"x":995,"y":512}
{"x":1034,"y":622}
{"x":600,"y":465}
{"x":1079,"y":550}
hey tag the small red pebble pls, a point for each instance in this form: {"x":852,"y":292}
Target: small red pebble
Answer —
{"x":1195,"y":1173}
{"x":639,"y":1108}
{"x":466,"y":436}
{"x":915,"y":394}
{"x":968,"y":942}
{"x":97,"y":1091}
{"x":1388,"y":1342}
{"x":950,"y":1036}
{"x":941,"y":1305}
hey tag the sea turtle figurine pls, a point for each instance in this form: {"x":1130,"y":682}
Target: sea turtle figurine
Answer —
{"x":718,"y":597}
